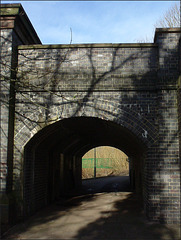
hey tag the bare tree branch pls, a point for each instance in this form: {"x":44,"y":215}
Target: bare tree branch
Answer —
{"x":170,"y":19}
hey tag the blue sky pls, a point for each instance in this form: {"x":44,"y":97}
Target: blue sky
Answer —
{"x":94,"y":21}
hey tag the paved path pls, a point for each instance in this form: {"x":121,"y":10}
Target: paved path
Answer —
{"x":106,"y":184}
{"x":110,"y":214}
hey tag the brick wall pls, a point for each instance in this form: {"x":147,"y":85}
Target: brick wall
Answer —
{"x":6,"y":41}
{"x":12,"y":34}
{"x":134,"y":86}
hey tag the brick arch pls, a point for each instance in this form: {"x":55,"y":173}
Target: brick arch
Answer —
{"x":130,"y":120}
{"x":70,"y":137}
{"x":113,"y":111}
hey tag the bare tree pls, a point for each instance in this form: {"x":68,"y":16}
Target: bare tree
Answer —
{"x":171,"y":18}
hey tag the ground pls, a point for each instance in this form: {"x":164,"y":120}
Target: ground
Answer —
{"x":103,"y":209}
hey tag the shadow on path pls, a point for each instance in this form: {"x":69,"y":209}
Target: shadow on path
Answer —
{"x":126,"y":220}
{"x":109,"y":214}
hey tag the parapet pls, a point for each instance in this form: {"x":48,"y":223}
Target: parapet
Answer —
{"x":14,"y":17}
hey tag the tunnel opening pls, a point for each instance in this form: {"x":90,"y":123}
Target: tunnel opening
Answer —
{"x":105,"y":169}
{"x":104,"y":161}
{"x":53,"y":158}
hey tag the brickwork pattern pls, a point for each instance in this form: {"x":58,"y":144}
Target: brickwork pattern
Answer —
{"x":132,"y":86}
{"x":89,"y":68}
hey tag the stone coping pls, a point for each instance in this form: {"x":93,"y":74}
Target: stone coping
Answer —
{"x":94,"y":45}
{"x":10,"y":9}
{"x":168,"y":30}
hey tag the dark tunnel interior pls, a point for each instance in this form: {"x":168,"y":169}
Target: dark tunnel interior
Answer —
{"x":53,"y":157}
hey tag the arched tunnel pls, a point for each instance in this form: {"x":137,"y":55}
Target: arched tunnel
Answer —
{"x":53,"y":157}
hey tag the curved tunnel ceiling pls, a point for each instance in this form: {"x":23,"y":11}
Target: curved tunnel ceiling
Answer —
{"x":76,"y":136}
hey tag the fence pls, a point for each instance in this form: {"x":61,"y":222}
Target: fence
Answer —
{"x":100,"y":163}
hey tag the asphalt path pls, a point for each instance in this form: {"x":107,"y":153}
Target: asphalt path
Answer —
{"x":106,"y":184}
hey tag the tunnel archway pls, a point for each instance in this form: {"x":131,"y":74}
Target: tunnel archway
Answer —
{"x":53,"y":157}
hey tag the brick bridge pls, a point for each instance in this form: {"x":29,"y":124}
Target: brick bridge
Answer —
{"x":59,"y":101}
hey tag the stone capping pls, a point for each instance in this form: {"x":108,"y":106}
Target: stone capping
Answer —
{"x":94,"y":45}
{"x":10,"y":9}
{"x":16,"y":11}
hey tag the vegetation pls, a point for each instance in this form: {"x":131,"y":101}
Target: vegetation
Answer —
{"x":119,"y":162}
{"x":170,"y":19}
